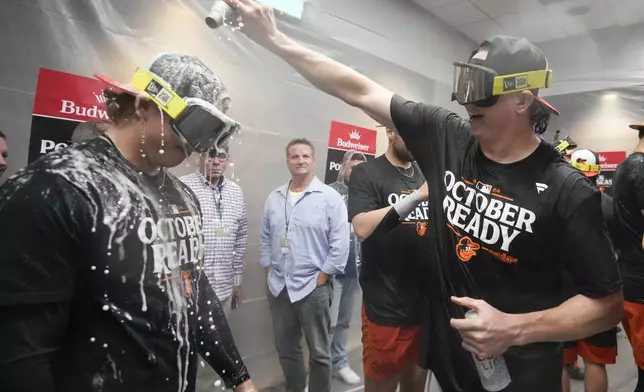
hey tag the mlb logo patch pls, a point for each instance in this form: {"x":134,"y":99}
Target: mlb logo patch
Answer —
{"x":484,"y":188}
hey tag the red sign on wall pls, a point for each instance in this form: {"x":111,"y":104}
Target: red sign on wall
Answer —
{"x":609,"y":160}
{"x":62,"y":101}
{"x":350,"y":137}
{"x":345,"y":137}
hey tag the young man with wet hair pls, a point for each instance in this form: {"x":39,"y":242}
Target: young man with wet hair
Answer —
{"x":101,"y":279}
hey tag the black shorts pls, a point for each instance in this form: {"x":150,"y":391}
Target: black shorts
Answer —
{"x":600,"y":348}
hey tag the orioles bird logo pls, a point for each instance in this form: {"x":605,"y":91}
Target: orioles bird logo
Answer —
{"x":421,"y":228}
{"x":466,"y":249}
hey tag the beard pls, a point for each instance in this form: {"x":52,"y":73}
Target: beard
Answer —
{"x":404,"y":154}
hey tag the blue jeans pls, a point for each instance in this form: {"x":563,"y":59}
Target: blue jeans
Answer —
{"x":345,"y":293}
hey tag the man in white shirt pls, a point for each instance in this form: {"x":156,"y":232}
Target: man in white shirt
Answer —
{"x":225,"y":227}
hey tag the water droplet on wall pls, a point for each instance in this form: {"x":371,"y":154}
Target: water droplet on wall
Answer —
{"x":106,"y":308}
{"x":92,"y":339}
{"x":93,"y":268}
{"x":207,"y":354}
{"x":217,"y":383}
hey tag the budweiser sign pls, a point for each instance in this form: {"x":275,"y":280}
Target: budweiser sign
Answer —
{"x":62,"y":101}
{"x":68,"y":96}
{"x":343,"y":138}
{"x":608,"y":160}
{"x":350,"y":137}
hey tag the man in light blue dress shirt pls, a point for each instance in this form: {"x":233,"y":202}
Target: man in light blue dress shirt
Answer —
{"x":304,"y":242}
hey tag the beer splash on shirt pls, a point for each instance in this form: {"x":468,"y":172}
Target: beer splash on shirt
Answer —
{"x":126,"y":198}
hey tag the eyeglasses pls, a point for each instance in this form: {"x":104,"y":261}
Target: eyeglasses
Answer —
{"x":222,"y":155}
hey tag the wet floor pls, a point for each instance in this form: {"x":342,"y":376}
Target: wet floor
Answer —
{"x":268,"y":377}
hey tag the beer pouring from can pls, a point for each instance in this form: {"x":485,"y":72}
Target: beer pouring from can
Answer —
{"x":220,"y":12}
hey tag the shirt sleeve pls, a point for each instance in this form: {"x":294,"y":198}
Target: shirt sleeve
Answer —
{"x":363,"y":196}
{"x":218,"y":348}
{"x":636,"y":181}
{"x":336,"y":260}
{"x":587,"y":249}
{"x":428,"y":131}
{"x":240,"y":244}
{"x":265,"y":237}
{"x":44,"y":219}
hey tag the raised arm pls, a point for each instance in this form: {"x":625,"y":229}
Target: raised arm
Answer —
{"x":324,"y":73}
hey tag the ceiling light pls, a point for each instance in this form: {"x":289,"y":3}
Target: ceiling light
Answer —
{"x":610,"y":96}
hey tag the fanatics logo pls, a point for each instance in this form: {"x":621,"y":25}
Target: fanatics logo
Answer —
{"x":541,"y":187}
{"x":354,"y":135}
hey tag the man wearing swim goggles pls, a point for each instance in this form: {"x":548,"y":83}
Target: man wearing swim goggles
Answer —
{"x":103,"y":271}
{"x":508,"y":214}
{"x":199,"y":124}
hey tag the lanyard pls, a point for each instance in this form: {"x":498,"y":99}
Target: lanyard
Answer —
{"x":218,"y":202}
{"x":287,"y":217}
{"x":217,"y":190}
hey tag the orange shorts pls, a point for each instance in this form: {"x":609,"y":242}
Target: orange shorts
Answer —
{"x":633,"y":323}
{"x":600,"y":349}
{"x":386,"y":350}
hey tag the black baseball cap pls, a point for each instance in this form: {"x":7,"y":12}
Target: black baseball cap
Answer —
{"x":637,"y":127}
{"x":506,"y":55}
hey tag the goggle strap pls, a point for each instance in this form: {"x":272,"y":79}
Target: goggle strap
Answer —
{"x":585,"y":167}
{"x":561,"y":147}
{"x":159,"y":93}
{"x":532,"y":80}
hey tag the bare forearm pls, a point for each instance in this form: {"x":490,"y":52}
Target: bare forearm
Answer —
{"x":577,"y":318}
{"x":365,"y":224}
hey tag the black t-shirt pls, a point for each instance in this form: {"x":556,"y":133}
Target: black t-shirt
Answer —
{"x":628,"y":198}
{"x":393,"y":264}
{"x":504,"y":233}
{"x":121,"y":252}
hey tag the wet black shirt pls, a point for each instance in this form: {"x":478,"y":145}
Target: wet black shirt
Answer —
{"x":100,"y":279}
{"x":628,"y":197}
{"x":503,"y":233}
{"x":393,"y":264}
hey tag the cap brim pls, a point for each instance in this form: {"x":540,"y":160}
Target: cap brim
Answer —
{"x":637,"y":127}
{"x":548,"y":106}
{"x":117,"y":85}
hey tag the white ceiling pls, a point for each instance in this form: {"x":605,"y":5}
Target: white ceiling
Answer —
{"x":536,"y":20}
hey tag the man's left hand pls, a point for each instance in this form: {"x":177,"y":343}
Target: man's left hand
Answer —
{"x":238,"y":295}
{"x":322,"y":278}
{"x":488,"y":334}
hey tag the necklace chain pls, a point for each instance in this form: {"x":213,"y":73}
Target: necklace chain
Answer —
{"x":402,"y":171}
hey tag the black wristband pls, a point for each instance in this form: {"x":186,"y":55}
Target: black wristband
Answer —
{"x":388,"y":223}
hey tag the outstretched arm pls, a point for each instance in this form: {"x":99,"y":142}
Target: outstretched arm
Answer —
{"x":324,"y":73}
